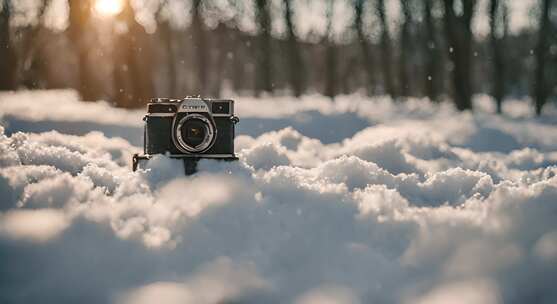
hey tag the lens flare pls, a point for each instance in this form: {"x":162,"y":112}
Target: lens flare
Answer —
{"x":108,"y":8}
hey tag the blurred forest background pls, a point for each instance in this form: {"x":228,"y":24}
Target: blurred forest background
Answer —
{"x":127,"y":51}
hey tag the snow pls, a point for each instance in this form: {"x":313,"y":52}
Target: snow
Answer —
{"x":355,"y":201}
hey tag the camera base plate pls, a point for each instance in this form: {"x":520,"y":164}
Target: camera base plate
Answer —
{"x":190,"y":161}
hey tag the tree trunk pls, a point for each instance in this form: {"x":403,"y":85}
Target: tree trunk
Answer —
{"x":201,"y":49}
{"x":263,"y":75}
{"x":386,"y":50}
{"x":540,"y":84}
{"x":29,"y":66}
{"x":347,"y":74}
{"x":366,"y":52}
{"x":223,"y":44}
{"x":433,"y":57}
{"x":296,"y":65}
{"x":405,"y":48}
{"x":80,"y":13}
{"x":330,"y":56}
{"x":167,"y":37}
{"x":142,"y":65}
{"x":459,"y":36}
{"x":8,"y":56}
{"x":238,"y":62}
{"x":133,"y":65}
{"x":497,"y":21}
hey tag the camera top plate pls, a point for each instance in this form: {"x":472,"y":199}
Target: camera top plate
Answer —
{"x":196,"y":105}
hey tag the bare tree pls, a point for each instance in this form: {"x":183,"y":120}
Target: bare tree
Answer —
{"x":541,"y":90}
{"x":201,"y":48}
{"x":239,"y":71}
{"x":347,"y":74}
{"x":133,"y":64}
{"x":362,"y":40}
{"x":221,"y":51}
{"x":263,"y":57}
{"x":432,"y":54}
{"x":296,"y":64}
{"x":206,"y":57}
{"x":405,"y":48}
{"x":330,"y":57}
{"x":459,"y":35}
{"x":80,"y":13}
{"x":167,"y":36}
{"x":386,"y":50}
{"x":7,"y":53}
{"x":498,"y":25}
{"x":236,"y":43}
{"x":32,"y":40}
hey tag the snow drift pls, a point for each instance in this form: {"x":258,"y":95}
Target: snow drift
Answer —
{"x":355,"y":201}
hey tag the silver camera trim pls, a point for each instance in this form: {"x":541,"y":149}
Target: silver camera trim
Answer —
{"x":196,"y":105}
{"x":207,"y":142}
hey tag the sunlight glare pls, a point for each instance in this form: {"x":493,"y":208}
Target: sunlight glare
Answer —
{"x":108,"y":8}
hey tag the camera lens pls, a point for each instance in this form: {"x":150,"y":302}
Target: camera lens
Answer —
{"x":194,"y":132}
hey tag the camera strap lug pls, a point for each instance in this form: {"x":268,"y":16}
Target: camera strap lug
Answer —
{"x":235,"y":119}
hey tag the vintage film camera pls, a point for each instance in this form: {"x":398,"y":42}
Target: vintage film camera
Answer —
{"x":191,"y":129}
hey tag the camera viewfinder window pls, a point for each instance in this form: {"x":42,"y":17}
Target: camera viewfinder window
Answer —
{"x":221,"y":108}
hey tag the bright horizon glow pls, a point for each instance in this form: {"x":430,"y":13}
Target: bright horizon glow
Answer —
{"x":108,"y":8}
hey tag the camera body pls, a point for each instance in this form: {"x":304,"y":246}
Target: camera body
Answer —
{"x":192,"y":127}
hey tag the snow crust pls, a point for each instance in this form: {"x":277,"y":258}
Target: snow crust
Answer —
{"x":356,"y":201}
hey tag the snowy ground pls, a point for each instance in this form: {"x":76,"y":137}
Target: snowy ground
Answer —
{"x":358,"y":201}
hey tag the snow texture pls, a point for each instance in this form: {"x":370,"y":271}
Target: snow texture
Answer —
{"x":356,"y":201}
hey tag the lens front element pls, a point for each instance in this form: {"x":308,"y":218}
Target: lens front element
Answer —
{"x":195,"y":133}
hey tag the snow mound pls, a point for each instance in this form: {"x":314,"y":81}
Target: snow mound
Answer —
{"x":421,"y":205}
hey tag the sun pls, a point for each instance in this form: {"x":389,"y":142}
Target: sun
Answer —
{"x":108,"y":8}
